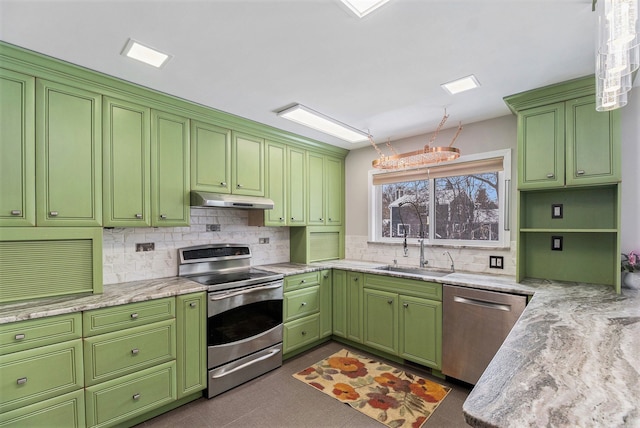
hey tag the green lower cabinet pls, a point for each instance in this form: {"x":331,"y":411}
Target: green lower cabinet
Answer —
{"x":114,"y":402}
{"x":301,"y":332}
{"x":64,"y":411}
{"x":421,"y":331}
{"x":381,"y":320}
{"x":347,"y":305}
{"x":326,"y":324}
{"x":191,"y":343}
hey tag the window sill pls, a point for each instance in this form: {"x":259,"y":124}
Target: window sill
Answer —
{"x":459,"y":247}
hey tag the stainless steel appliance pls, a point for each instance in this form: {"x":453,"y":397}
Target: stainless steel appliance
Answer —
{"x":244,"y":326}
{"x":475,"y":323}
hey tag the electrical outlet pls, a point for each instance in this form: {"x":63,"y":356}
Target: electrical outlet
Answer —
{"x":213,"y":228}
{"x":263,"y":240}
{"x":496,"y":262}
{"x":556,"y":243}
{"x":145,"y":246}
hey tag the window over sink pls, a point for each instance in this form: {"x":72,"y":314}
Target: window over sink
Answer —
{"x":459,"y":203}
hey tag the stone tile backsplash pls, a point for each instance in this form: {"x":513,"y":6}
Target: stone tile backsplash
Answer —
{"x":121,"y":262}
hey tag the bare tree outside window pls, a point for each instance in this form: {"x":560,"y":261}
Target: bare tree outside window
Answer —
{"x":398,"y":218}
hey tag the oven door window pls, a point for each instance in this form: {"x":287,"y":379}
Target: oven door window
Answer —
{"x":243,"y":322}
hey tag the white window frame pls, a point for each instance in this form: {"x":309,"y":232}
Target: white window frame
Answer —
{"x":504,"y":201}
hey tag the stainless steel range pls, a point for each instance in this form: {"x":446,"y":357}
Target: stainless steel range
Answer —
{"x":244,"y":327}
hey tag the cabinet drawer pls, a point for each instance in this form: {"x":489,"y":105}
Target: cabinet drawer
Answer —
{"x":29,"y":334}
{"x":411,"y":287}
{"x":301,"y":303}
{"x":295,"y":282}
{"x":115,"y":354}
{"x":35,"y":375}
{"x":64,"y":411}
{"x":124,"y":316}
{"x":301,"y":332}
{"x":121,"y":399}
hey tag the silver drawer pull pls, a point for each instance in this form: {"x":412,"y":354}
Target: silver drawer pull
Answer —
{"x":293,"y":219}
{"x":135,"y":351}
{"x":304,"y":333}
{"x":136,"y":396}
{"x":303,"y":304}
{"x":302,"y":281}
{"x":550,"y":175}
{"x":281,"y":219}
{"x":21,"y":381}
{"x":406,"y":305}
{"x":330,"y":219}
{"x":223,"y":183}
{"x":20,"y":336}
{"x":163,"y":216}
{"x":580,"y":172}
{"x":238,"y":186}
{"x":134,"y":315}
{"x":320,"y":219}
{"x":193,"y":304}
{"x":53,"y":213}
{"x":16,"y":212}
{"x":390,"y":301}
{"x":138,"y":215}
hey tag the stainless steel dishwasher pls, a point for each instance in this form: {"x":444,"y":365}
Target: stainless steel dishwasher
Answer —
{"x":475,"y":323}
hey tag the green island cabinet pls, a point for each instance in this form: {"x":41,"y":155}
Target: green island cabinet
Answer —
{"x":307,"y":310}
{"x":568,"y":185}
{"x":41,"y":372}
{"x":146,"y":166}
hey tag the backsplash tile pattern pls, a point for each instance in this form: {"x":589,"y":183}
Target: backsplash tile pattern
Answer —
{"x":465,"y":259}
{"x":121,"y":262}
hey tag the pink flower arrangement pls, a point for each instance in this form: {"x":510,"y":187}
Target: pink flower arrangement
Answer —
{"x":631,"y":261}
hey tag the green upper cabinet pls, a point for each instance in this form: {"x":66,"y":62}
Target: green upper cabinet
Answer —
{"x":127,"y":164}
{"x":316,"y":189}
{"x":17,"y":149}
{"x":325,"y":194}
{"x":68,"y":156}
{"x":169,"y":169}
{"x":247,"y":160}
{"x":210,"y":158}
{"x":276,"y":184}
{"x":297,"y":189}
{"x":334,"y":178}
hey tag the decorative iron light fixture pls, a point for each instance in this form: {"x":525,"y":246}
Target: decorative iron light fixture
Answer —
{"x":428,"y":155}
{"x":617,"y":51}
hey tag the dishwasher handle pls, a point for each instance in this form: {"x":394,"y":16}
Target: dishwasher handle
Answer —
{"x":483,"y":303}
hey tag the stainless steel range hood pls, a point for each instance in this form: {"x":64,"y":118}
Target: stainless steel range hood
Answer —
{"x":221,"y":200}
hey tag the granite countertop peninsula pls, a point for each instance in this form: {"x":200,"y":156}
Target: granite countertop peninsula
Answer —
{"x":571,"y":360}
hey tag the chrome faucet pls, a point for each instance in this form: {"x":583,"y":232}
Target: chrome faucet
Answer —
{"x":450,"y":258}
{"x":423,"y":262}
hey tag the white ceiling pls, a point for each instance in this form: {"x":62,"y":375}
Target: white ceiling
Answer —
{"x":382,"y":73}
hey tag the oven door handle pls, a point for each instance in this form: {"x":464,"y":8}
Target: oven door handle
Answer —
{"x":247,"y":291}
{"x":247,"y":364}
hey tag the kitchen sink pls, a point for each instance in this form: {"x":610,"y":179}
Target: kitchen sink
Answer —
{"x":415,"y":271}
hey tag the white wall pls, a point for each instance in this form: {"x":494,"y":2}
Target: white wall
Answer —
{"x":121,"y":262}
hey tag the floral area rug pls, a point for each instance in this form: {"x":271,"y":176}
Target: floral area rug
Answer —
{"x":380,"y":391}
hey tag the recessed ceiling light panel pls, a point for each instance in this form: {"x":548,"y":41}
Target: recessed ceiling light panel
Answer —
{"x":318,"y":121}
{"x":363,"y":7}
{"x":461,"y":85}
{"x":138,"y":51}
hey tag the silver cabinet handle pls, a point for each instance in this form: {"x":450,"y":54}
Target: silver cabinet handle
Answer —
{"x":223,"y":183}
{"x":163,"y":216}
{"x":550,"y":175}
{"x":238,"y":185}
{"x":302,"y":281}
{"x":135,"y":351}
{"x":53,"y":213}
{"x":390,"y":301}
{"x":580,"y":172}
{"x":303,"y":304}
{"x":304,"y":333}
{"x":325,"y":276}
{"x":405,"y":305}
{"x":136,"y":396}
{"x":20,"y":336}
{"x":16,"y":212}
{"x":281,"y":219}
{"x":355,"y":279}
{"x":320,"y":219}
{"x":138,"y":215}
{"x":193,"y":304}
{"x":293,"y":218}
{"x":330,"y":219}
{"x":134,"y":315}
{"x":21,"y":381}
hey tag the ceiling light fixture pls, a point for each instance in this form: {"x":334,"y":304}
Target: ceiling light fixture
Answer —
{"x":461,"y":85}
{"x":363,"y":7}
{"x":428,"y":155}
{"x":318,"y":121}
{"x":138,"y":51}
{"x":617,"y":52}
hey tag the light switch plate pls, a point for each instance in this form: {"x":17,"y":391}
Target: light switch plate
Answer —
{"x":496,"y":262}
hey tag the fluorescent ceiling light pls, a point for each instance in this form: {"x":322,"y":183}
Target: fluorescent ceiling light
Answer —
{"x":363,"y":7}
{"x":461,"y":85}
{"x":305,"y":116}
{"x":140,"y":52}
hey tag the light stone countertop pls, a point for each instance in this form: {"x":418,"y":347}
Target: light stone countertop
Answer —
{"x":572,"y":360}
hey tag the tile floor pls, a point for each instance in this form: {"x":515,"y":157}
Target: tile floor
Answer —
{"x":276,"y":399}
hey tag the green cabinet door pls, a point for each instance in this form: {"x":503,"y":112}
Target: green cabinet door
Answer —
{"x":276,"y":186}
{"x":210,"y":158}
{"x":325,"y":303}
{"x":316,"y":189}
{"x":191,"y":343}
{"x":541,"y":145}
{"x":247,"y":159}
{"x":354,"y":306}
{"x":592,"y":143}
{"x":334,"y":187}
{"x":297,"y":186}
{"x":380,"y":320}
{"x":169,"y":170}
{"x":127,"y":164}
{"x":421,"y":331}
{"x":17,"y":149}
{"x":64,"y":411}
{"x":339,"y":302}
{"x":68,"y":156}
